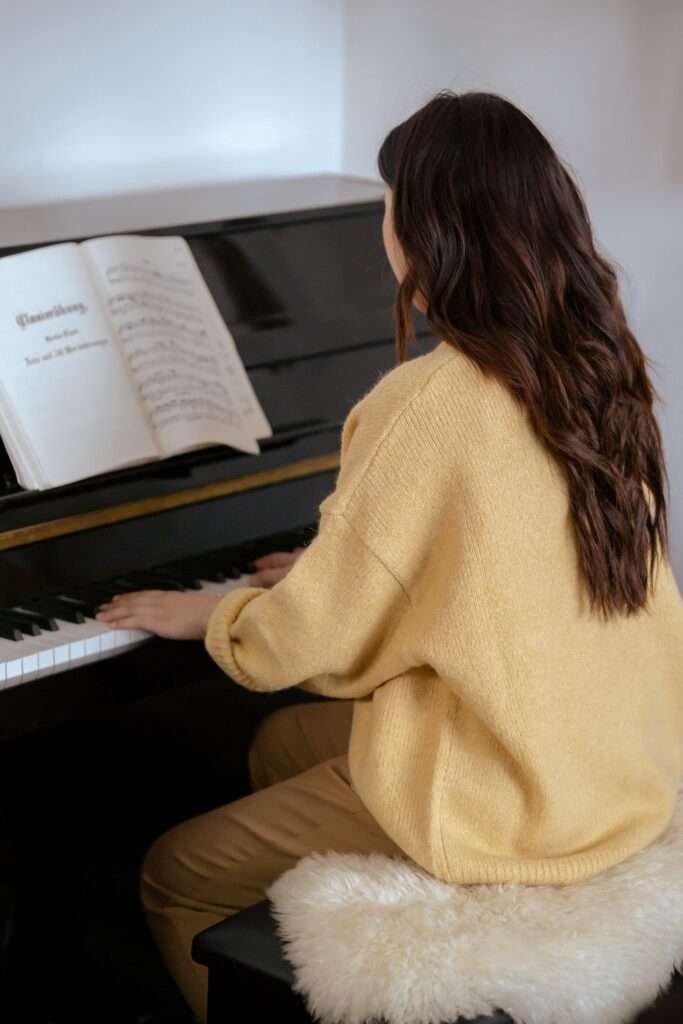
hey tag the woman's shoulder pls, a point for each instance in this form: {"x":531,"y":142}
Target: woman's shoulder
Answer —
{"x":444,"y":370}
{"x":396,"y":413}
{"x":402,"y":383}
{"x":396,"y":389}
{"x":380,"y":407}
{"x":443,"y":384}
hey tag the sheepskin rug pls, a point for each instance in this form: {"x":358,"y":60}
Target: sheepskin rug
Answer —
{"x":376,"y":938}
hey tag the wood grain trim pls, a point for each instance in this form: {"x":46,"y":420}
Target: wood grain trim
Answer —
{"x":23,"y":535}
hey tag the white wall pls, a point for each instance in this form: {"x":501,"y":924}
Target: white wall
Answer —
{"x":604,"y":81}
{"x":102,"y":96}
{"x":600,"y":78}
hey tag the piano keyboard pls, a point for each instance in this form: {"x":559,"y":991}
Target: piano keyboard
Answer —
{"x":49,"y":635}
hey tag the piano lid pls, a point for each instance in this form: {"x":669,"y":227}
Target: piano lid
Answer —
{"x":192,"y":205}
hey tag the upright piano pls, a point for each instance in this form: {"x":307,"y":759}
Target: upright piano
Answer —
{"x":298,"y":271}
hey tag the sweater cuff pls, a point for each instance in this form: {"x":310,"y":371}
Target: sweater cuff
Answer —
{"x":217,"y":641}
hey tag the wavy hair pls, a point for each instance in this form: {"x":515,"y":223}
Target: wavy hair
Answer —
{"x":498,"y":243}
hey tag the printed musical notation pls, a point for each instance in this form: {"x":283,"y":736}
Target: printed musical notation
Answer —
{"x":139,"y":273}
{"x":175,"y":360}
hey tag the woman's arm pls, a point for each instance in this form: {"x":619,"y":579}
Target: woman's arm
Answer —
{"x":331,"y":625}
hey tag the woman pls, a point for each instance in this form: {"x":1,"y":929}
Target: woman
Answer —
{"x":488,"y":595}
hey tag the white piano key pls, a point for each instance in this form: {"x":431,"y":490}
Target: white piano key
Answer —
{"x":21,"y":658}
{"x":46,"y":661}
{"x":210,"y":588}
{"x":61,"y":656}
{"x":29,"y":667}
{"x":223,"y":588}
{"x":14,"y":671}
{"x":107,"y":643}
{"x":92,"y":646}
{"x":7,"y":657}
{"x":138,"y":635}
{"x":70,"y":629}
{"x":37,"y":657}
{"x":77,"y":650}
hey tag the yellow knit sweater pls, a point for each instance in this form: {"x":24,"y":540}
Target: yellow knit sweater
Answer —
{"x":501,"y":732}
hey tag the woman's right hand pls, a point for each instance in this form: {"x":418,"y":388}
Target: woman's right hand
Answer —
{"x":271,"y":568}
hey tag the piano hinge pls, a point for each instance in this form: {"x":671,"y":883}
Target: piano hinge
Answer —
{"x":79,"y":522}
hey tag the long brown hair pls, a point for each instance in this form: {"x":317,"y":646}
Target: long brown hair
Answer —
{"x":498,"y":242}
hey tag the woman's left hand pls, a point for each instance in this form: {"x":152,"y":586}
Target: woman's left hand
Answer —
{"x":168,"y":613}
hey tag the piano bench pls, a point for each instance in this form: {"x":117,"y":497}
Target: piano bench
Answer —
{"x":247,"y":967}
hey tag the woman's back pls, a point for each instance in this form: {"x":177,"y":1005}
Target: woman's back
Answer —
{"x":520,"y":736}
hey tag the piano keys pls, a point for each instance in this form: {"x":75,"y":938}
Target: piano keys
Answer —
{"x":59,"y":632}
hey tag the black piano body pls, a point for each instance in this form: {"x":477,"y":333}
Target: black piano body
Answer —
{"x":307,"y":294}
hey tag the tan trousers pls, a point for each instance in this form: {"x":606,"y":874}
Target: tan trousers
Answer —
{"x":219,"y":863}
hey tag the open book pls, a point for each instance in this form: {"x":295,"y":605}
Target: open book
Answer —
{"x":113,"y":353}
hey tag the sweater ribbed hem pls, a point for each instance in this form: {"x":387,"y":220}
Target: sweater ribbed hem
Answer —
{"x":558,"y":872}
{"x":217,"y":641}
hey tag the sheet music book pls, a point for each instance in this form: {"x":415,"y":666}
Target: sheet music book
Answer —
{"x":113,"y":353}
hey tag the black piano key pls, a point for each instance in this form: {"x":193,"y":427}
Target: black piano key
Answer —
{"x":188,"y":579}
{"x":232,"y":571}
{"x":8,"y":632}
{"x":28,"y":626}
{"x":147,"y":580}
{"x":202,"y":569}
{"x":53,"y":606}
{"x":42,"y":621}
{"x":232,"y":560}
{"x":303,"y":536}
{"x":228,"y":565}
{"x":87,"y":607}
{"x":95,"y":593}
{"x":128,"y":584}
{"x":109,"y":588}
{"x":87,"y":599}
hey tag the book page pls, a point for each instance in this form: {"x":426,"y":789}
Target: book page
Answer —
{"x":180,"y":354}
{"x":66,"y":396}
{"x":19,"y":450}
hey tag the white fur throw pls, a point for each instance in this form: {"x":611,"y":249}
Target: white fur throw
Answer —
{"x":376,"y":937}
